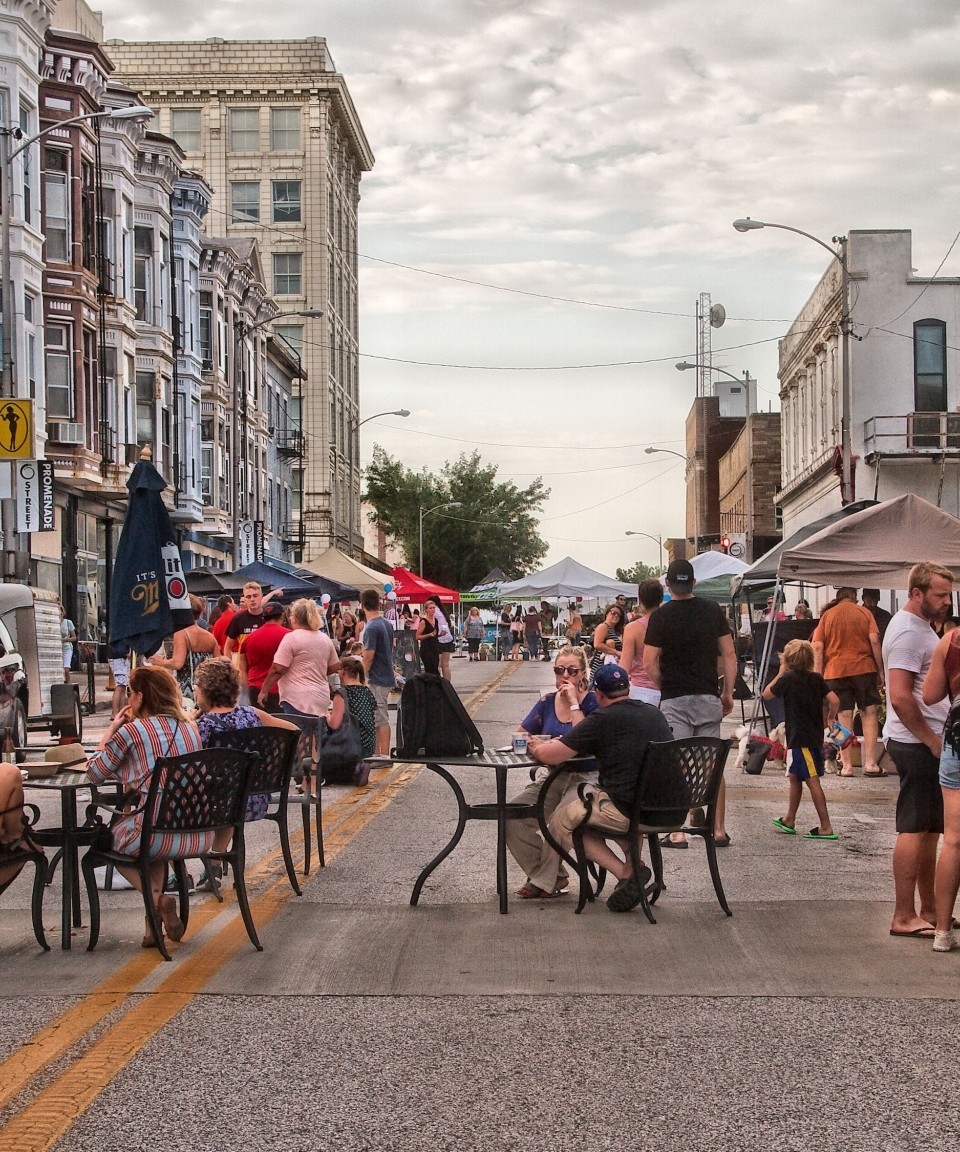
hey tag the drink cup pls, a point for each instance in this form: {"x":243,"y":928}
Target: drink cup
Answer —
{"x":520,"y":744}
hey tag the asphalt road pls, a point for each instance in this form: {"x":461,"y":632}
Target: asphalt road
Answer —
{"x":367,"y":1024}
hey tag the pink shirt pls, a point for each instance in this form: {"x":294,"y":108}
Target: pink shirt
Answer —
{"x":305,"y":656}
{"x":638,"y":673}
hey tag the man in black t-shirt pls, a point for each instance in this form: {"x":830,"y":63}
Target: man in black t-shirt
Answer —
{"x":247,"y":620}
{"x":616,"y":736}
{"x":685,"y":642}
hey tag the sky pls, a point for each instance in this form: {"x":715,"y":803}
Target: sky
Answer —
{"x":555,"y":185}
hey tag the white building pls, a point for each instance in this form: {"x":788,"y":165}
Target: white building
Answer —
{"x":273,"y":129}
{"x":903,"y":384}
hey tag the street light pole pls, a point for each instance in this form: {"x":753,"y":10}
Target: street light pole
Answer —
{"x":658,"y":540}
{"x":355,"y":435}
{"x":243,"y":330}
{"x":426,"y":512}
{"x":696,"y":496}
{"x":846,"y":449}
{"x":9,"y":381}
{"x":685,"y":365}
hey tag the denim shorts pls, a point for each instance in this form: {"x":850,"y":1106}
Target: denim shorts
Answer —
{"x":949,"y":768}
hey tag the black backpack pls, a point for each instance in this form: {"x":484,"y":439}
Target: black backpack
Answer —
{"x":432,"y":720}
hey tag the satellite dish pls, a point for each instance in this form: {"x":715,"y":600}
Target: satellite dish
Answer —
{"x":717,"y":316}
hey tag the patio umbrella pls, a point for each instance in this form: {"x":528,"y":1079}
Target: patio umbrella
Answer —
{"x":204,"y":582}
{"x":148,"y":595}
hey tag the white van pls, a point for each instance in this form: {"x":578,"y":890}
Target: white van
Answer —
{"x":32,"y":691}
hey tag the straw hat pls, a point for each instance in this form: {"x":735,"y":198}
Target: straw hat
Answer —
{"x":66,"y":756}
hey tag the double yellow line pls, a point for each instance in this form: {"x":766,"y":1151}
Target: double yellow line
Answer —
{"x":45,"y":1118}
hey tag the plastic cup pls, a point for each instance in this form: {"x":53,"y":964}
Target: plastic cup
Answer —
{"x":520,"y":745}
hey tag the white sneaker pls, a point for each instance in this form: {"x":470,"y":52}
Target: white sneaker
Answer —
{"x":945,"y":941}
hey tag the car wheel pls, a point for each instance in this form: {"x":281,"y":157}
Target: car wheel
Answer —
{"x":20,"y":731}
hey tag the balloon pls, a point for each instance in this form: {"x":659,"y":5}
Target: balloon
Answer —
{"x":325,"y":599}
{"x":388,"y":587}
{"x":391,"y":595}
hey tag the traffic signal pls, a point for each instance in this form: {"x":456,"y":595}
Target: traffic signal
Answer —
{"x":725,"y":543}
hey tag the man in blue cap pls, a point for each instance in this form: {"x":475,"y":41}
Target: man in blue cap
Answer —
{"x":616,"y":736}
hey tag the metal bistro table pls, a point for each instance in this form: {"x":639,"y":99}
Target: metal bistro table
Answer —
{"x":499,"y":810}
{"x":69,"y":838}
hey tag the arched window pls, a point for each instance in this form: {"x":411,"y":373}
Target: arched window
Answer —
{"x":930,"y":366}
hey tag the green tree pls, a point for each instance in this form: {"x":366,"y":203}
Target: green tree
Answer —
{"x":494,"y":527}
{"x":638,"y":572}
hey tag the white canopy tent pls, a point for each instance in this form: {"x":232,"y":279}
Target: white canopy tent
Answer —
{"x":873,"y":548}
{"x":567,"y":577}
{"x":337,"y":565}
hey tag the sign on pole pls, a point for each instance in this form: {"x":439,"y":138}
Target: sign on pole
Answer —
{"x":35,"y":507}
{"x":258,"y":545}
{"x":16,"y":428}
{"x":248,"y":548}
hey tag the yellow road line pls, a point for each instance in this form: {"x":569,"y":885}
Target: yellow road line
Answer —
{"x":44,"y":1119}
{"x":41,"y":1122}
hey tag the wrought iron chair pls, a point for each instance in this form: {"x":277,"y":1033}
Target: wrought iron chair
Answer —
{"x":311,"y":780}
{"x":676,"y":776}
{"x":278,"y":754}
{"x":203,"y":791}
{"x":25,"y":854}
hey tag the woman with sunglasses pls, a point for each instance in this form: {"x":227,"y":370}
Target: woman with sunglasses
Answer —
{"x":553,"y":715}
{"x":608,"y":638}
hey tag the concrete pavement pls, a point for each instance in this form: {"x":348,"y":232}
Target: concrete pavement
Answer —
{"x":367,"y":1024}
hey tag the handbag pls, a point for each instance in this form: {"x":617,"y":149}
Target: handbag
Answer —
{"x":341,"y":749}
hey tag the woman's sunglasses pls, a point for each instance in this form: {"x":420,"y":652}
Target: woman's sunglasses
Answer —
{"x":560,"y":671}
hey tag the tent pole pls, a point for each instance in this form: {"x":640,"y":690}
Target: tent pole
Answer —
{"x":761,"y":673}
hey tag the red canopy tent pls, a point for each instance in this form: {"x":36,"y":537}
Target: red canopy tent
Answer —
{"x":412,"y":589}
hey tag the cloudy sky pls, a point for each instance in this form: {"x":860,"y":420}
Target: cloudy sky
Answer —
{"x":554,"y":188}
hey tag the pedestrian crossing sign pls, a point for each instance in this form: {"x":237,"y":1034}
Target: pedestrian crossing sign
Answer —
{"x":16,"y":428}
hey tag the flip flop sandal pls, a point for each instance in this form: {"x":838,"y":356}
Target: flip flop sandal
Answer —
{"x":781,"y":827}
{"x":666,"y":842}
{"x":816,"y":834}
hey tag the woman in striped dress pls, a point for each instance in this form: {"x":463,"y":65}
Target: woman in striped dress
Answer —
{"x":152,"y":725}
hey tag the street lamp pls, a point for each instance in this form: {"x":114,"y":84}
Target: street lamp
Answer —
{"x":355,"y":434}
{"x":683,"y":366}
{"x":658,"y":540}
{"x":8,"y":370}
{"x":243,"y":330}
{"x":696,"y":495}
{"x":846,"y":451}
{"x":426,"y":512}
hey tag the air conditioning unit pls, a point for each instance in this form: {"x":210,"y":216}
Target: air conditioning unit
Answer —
{"x":62,"y":433}
{"x":938,"y":430}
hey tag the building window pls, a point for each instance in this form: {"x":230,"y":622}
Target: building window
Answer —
{"x":286,"y":201}
{"x":930,"y":366}
{"x":206,"y":476}
{"x":206,"y":330}
{"x":143,"y":272}
{"x":245,"y":202}
{"x":146,"y":409}
{"x":185,"y":128}
{"x":59,"y":372}
{"x":245,"y":130}
{"x":291,"y":336}
{"x":284,"y":129}
{"x":25,"y":127}
{"x":287,"y":276}
{"x":56,"y":195}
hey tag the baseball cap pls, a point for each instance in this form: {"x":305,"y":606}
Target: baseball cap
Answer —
{"x":272,"y":611}
{"x":611,"y":679}
{"x":680,"y":572}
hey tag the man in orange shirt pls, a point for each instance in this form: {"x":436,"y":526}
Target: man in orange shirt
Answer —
{"x":846,"y":650}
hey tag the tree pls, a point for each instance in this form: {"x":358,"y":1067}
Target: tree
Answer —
{"x":638,"y":572}
{"x":494,"y":527}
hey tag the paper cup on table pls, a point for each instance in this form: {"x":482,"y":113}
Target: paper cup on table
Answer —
{"x":520,"y":744}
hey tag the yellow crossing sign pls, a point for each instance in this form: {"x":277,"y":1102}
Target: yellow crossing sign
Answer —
{"x":16,"y":428}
